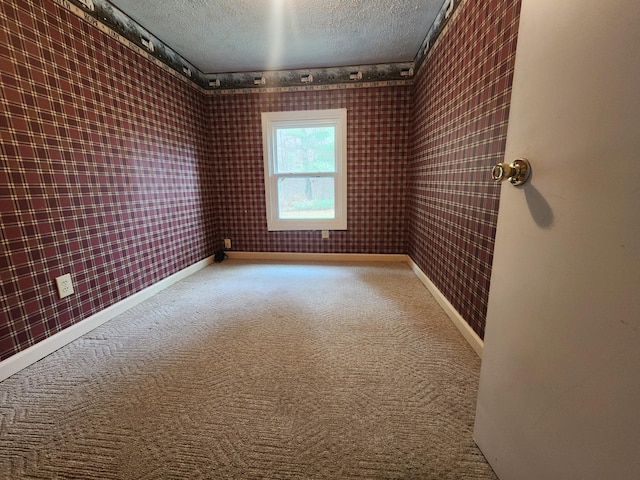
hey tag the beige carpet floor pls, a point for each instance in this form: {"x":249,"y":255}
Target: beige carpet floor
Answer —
{"x":250,"y":371}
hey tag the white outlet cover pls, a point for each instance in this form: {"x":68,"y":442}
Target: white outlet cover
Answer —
{"x":65,"y":285}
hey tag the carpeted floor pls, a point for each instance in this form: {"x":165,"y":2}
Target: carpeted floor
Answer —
{"x":255,"y":370}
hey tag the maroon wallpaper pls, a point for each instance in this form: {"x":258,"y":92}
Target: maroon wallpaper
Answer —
{"x":460,"y":113}
{"x":120,"y":173}
{"x":103,"y":172}
{"x":378,"y":122}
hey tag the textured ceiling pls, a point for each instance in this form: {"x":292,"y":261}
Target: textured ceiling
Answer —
{"x":260,"y":35}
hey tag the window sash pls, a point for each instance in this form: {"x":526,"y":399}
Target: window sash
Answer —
{"x":280,"y":158}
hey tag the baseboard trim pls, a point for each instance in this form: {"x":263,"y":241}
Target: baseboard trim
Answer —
{"x":465,"y":329}
{"x":319,"y":257}
{"x":40,"y":350}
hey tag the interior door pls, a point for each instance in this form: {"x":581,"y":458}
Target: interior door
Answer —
{"x":559,"y":393}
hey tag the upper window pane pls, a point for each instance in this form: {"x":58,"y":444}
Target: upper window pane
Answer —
{"x":306,"y":150}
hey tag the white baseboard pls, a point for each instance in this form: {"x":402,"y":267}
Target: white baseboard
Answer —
{"x":40,"y":350}
{"x":319,"y":257}
{"x":465,"y":329}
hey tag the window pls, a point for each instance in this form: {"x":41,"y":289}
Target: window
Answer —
{"x":305,"y":168}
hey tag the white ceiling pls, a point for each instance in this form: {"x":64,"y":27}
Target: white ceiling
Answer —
{"x":219,"y":36}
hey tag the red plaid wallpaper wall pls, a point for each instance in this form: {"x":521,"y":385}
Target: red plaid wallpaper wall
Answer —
{"x":460,"y":114}
{"x":378,"y":122}
{"x":103,"y":171}
{"x":120,"y":173}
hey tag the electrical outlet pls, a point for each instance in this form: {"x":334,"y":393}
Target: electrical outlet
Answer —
{"x":227,"y":244}
{"x":65,"y":285}
{"x":325,"y":233}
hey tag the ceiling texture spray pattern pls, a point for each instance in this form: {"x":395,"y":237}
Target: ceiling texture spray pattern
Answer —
{"x":230,"y":43}
{"x":220,"y":36}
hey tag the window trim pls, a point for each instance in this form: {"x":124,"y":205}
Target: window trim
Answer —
{"x":271,"y":121}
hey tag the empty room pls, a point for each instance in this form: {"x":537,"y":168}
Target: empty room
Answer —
{"x":304,"y":239}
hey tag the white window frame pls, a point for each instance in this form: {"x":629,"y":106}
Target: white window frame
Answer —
{"x":271,"y":121}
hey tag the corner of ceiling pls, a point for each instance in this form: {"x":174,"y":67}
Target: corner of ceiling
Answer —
{"x":442,"y":19}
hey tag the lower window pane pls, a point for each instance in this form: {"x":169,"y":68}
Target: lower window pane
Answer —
{"x":303,"y":198}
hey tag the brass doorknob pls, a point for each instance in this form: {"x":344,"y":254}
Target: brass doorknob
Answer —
{"x":517,"y":172}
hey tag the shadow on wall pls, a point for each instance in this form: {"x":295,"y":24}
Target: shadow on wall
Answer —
{"x":540,"y":209}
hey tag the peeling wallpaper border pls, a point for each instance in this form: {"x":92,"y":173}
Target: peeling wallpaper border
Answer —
{"x":113,"y":22}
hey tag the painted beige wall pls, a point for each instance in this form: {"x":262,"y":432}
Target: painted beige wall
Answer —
{"x":560,"y":384}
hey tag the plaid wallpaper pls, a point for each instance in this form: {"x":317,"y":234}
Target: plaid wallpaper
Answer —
{"x":378,"y":120}
{"x":117,"y":171}
{"x":461,"y":108}
{"x":103,"y":171}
